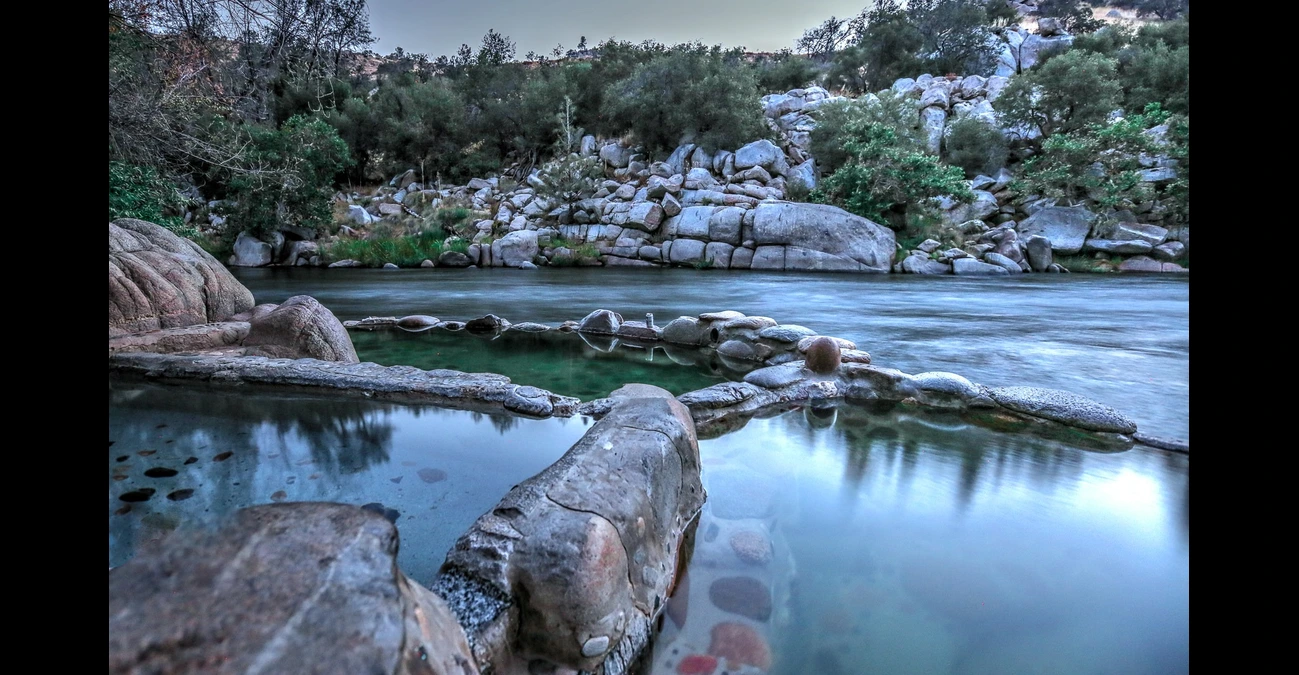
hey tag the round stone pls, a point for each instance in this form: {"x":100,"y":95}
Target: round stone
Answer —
{"x":751,"y":547}
{"x":745,"y":596}
{"x":595,"y":646}
{"x":823,"y":356}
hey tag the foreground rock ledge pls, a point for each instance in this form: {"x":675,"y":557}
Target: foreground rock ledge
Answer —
{"x":573,"y":566}
{"x":448,"y":388}
{"x":282,"y":588}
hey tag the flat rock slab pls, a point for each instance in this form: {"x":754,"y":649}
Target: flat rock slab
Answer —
{"x":448,"y":388}
{"x":1174,"y":444}
{"x":1063,"y":407}
{"x":280,"y":588}
{"x":198,"y":337}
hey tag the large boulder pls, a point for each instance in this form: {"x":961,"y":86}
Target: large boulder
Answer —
{"x":280,"y":588}
{"x":249,"y":251}
{"x":515,"y":248}
{"x":159,"y":280}
{"x":1065,"y":227}
{"x":615,"y":155}
{"x":826,"y":229}
{"x":765,"y":154}
{"x":601,"y":322}
{"x":574,"y":565}
{"x":932,"y":121}
{"x":1030,"y":52}
{"x":972,"y":267}
{"x":301,"y":328}
{"x":1039,"y":252}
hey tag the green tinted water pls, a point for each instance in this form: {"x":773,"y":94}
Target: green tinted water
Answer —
{"x":587,"y":367}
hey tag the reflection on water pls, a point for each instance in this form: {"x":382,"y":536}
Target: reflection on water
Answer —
{"x":1123,"y":340}
{"x":588,"y":367}
{"x":918,"y":543}
{"x":434,"y":470}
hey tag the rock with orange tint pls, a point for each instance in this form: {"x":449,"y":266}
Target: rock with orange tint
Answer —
{"x":573,"y":566}
{"x":697,"y":664}
{"x":740,"y":645}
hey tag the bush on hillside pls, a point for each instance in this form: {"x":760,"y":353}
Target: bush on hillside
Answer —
{"x":975,"y":146}
{"x":139,"y":192}
{"x":837,"y":122}
{"x":285,"y":177}
{"x":784,"y":71}
{"x":887,"y":178}
{"x":1101,"y":163}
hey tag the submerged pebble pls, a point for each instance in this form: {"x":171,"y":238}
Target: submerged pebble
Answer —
{"x":432,"y":475}
{"x":141,"y":495}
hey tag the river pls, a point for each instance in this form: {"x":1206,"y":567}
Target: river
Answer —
{"x":1121,"y":340}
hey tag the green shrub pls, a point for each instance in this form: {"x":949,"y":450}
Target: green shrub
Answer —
{"x":570,"y":178}
{"x":449,"y":221}
{"x":834,"y":121}
{"x":1075,"y":16}
{"x":785,"y":71}
{"x":975,"y":146}
{"x":139,"y":192}
{"x":286,"y":177}
{"x":887,"y":178}
{"x":1100,"y":163}
{"x":404,"y":251}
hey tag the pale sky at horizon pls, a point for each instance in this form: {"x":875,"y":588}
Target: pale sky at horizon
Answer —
{"x":436,"y":27}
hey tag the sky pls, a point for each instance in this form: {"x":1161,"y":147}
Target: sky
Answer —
{"x":436,"y":27}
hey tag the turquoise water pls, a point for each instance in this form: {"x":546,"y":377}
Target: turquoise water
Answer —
{"x":588,"y":367}
{"x":437,"y":470}
{"x":917,"y":544}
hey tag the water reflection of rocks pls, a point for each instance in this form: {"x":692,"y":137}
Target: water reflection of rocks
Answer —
{"x":197,"y":473}
{"x":779,"y":584}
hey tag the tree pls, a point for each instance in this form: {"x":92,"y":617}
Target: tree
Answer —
{"x":1074,"y":16}
{"x":829,"y":37}
{"x":784,"y":71}
{"x":1164,"y":9}
{"x":1101,"y":163}
{"x":288,"y":176}
{"x":1065,"y":94}
{"x":885,"y":50}
{"x":690,"y":93}
{"x":956,"y":36}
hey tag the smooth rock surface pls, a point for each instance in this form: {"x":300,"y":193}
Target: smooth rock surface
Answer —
{"x":157,"y":279}
{"x":300,"y":328}
{"x":280,"y":588}
{"x":1063,"y":407}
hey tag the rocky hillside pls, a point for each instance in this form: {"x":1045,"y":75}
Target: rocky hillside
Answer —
{"x":733,"y":209}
